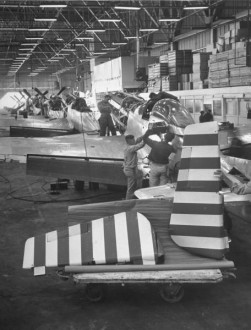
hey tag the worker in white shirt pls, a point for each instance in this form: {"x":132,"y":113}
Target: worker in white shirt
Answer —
{"x":130,"y":165}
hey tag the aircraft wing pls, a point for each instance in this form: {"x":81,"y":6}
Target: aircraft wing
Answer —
{"x":79,"y":157}
{"x":77,"y":145}
{"x":35,"y":123}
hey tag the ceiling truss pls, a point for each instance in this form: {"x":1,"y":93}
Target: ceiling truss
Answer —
{"x":68,"y":39}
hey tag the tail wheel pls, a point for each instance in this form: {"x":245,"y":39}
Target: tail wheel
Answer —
{"x":172,"y":293}
{"x":95,"y":292}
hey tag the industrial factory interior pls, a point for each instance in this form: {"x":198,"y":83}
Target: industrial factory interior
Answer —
{"x":125,"y":165}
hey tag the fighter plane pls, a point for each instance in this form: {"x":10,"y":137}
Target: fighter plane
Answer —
{"x":99,"y":153}
{"x":168,"y":241}
{"x":81,"y":117}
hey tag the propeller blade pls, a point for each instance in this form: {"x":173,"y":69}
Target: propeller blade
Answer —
{"x":13,"y":98}
{"x":27,"y":93}
{"x":38,"y":91}
{"x":22,"y":94}
{"x":19,"y":107}
{"x":17,"y":98}
{"x":61,"y":90}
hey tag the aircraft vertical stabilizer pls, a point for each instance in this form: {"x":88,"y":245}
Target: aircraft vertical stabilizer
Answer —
{"x":196,"y":222}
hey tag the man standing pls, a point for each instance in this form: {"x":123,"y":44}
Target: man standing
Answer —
{"x":105,"y":120}
{"x":159,"y":157}
{"x":130,"y":166}
{"x":205,"y":116}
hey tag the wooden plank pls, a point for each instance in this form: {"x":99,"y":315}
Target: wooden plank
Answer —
{"x":184,"y":276}
{"x":214,"y":264}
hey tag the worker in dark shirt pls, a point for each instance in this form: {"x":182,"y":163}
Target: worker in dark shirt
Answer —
{"x":153,"y":99}
{"x":159,"y":157}
{"x":105,"y":120}
{"x":206,"y":116}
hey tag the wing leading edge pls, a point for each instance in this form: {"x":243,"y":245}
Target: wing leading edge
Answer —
{"x":196,"y":222}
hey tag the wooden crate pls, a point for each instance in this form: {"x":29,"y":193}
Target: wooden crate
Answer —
{"x":169,"y":83}
{"x":201,"y":75}
{"x":157,"y":70}
{"x":163,"y":58}
{"x":216,"y":66}
{"x":154,"y":85}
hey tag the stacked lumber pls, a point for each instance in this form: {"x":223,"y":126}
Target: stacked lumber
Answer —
{"x":185,"y":81}
{"x":230,"y":68}
{"x":163,"y":58}
{"x":154,"y":85}
{"x":200,"y":70}
{"x":169,"y":83}
{"x":238,"y":32}
{"x":180,"y":65}
{"x":155,"y":72}
{"x":180,"y":61}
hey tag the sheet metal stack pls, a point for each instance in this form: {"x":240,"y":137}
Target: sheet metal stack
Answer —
{"x":200,"y":70}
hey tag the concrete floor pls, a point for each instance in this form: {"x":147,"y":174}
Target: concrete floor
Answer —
{"x":46,"y":302}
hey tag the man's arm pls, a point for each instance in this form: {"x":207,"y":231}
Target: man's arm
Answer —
{"x":241,"y":189}
{"x":149,"y":132}
{"x":137,"y":146}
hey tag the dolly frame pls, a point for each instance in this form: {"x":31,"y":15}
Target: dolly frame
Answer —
{"x":171,"y":282}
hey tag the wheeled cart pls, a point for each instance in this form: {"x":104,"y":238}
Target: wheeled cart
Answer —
{"x":170,"y":282}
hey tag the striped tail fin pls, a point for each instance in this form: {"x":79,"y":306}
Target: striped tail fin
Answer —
{"x":126,"y":237}
{"x":196,"y":222}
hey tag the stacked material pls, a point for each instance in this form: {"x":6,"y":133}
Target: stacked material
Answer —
{"x":200,"y":70}
{"x":155,"y":72}
{"x":185,"y":81}
{"x":230,"y":68}
{"x":238,"y":32}
{"x":218,"y":70}
{"x":154,"y":85}
{"x":239,"y":63}
{"x":180,"y":63}
{"x":163,"y":58}
{"x":169,"y":83}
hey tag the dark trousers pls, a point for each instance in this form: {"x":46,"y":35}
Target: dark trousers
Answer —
{"x":106,"y":123}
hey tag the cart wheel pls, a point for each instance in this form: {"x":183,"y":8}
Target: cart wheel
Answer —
{"x":172,"y":293}
{"x":95,"y":292}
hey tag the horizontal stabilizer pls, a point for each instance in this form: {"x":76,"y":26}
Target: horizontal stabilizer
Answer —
{"x":122,"y":238}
